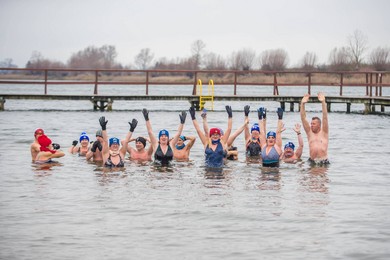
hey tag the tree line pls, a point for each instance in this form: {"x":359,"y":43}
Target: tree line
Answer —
{"x":354,"y":56}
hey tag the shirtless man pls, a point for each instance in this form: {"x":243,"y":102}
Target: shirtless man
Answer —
{"x":35,"y":145}
{"x":96,"y":150}
{"x":140,"y":153}
{"x":317,"y":134}
{"x":289,"y":154}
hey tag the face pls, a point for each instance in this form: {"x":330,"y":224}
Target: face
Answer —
{"x":180,"y":142}
{"x":84,"y":142}
{"x":270,"y":140}
{"x":288,"y":152}
{"x":215,"y":136}
{"x":315,"y":126}
{"x":38,"y":135}
{"x":139,"y":145}
{"x":255,"y":134}
{"x":114,"y":147}
{"x":164,"y":139}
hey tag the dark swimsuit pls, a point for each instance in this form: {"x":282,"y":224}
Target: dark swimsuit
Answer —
{"x":214,"y":159}
{"x":253,"y":148}
{"x":162,"y":158}
{"x":110,"y":164}
{"x":319,"y":162}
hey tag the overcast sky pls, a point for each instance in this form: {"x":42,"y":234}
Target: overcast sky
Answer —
{"x":58,"y":28}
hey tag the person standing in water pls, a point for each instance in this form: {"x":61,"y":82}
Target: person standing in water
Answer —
{"x":289,"y":154}
{"x":35,"y":146}
{"x":317,"y":132}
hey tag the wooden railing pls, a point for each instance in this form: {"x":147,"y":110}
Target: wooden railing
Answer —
{"x":373,"y":81}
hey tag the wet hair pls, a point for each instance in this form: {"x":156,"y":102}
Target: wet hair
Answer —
{"x":316,"y":118}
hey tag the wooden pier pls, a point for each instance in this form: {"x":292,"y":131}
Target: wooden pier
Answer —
{"x":291,"y":103}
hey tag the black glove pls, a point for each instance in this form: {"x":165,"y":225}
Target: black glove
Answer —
{"x":56,"y":146}
{"x":74,"y":143}
{"x":262,"y":113}
{"x":133,"y":124}
{"x":246,"y":110}
{"x":192,"y":113}
{"x":280,"y":113}
{"x":97,"y":145}
{"x":145,"y":112}
{"x":229,"y":111}
{"x":183,"y":116}
{"x":103,"y":122}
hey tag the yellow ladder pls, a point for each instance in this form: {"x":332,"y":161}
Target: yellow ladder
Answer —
{"x":209,"y":98}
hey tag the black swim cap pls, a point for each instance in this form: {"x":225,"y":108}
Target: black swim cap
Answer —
{"x":142,"y":140}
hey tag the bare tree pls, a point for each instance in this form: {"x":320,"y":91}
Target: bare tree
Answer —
{"x":213,"y":61}
{"x":309,"y":61}
{"x":340,"y":59}
{"x":93,"y":57}
{"x":274,"y":59}
{"x":37,"y":61}
{"x":243,"y":59}
{"x":197,"y":49}
{"x":357,"y":43}
{"x":144,"y":58}
{"x":380,"y":58}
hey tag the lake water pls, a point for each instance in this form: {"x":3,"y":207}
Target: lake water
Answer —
{"x":75,"y":211}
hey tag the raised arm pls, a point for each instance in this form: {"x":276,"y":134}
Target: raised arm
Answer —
{"x":226,"y":135}
{"x":201,"y":135}
{"x":262,"y":114}
{"x":246,"y":130}
{"x":182,"y":116}
{"x":325,"y":126}
{"x":153,"y":140}
{"x":280,"y":127}
{"x":125,"y":142}
{"x":204,"y":122}
{"x":105,"y":152}
{"x":299,"y":150}
{"x":305,"y":123}
{"x":238,"y":132}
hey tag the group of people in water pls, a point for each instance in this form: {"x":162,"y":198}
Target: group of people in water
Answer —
{"x":218,"y":144}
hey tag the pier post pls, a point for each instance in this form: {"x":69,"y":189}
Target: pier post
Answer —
{"x":2,"y":101}
{"x":328,"y":106}
{"x":292,"y":107}
{"x":382,"y":108}
{"x":367,"y":108}
{"x":109,"y":104}
{"x":348,"y":108}
{"x":195,"y":104}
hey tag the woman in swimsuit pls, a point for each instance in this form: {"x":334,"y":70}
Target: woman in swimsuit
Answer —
{"x":271,"y":146}
{"x":113,"y":154}
{"x":214,"y":143}
{"x":83,"y":149}
{"x":163,"y":153}
{"x":252,"y":139}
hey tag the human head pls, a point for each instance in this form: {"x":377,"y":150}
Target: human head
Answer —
{"x":99,"y":133}
{"x":114,"y":141}
{"x":215,"y":131}
{"x":84,"y":137}
{"x":140,"y":142}
{"x":180,"y":140}
{"x":255,"y":127}
{"x":289,"y":149}
{"x":271,"y":136}
{"x":38,"y":132}
{"x":315,"y":124}
{"x":45,"y":144}
{"x":163,"y":132}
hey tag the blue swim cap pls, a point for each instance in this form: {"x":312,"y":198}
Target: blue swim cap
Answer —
{"x":289,"y":145}
{"x":270,"y":133}
{"x":84,"y":136}
{"x":163,"y":132}
{"x":255,"y":127}
{"x":114,"y":140}
{"x":182,"y":137}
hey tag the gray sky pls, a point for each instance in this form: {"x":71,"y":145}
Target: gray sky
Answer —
{"x":58,"y":28}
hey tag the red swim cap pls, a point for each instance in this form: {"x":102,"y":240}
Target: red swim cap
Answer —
{"x":39,"y":131}
{"x":215,"y":130}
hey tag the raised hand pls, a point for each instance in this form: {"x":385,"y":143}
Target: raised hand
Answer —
{"x":204,"y":113}
{"x":321,"y":96}
{"x":145,"y":112}
{"x":55,"y":146}
{"x":305,"y":98}
{"x":133,"y":124}
{"x":183,"y":116}
{"x":297,"y":128}
{"x":192,"y":113}
{"x":75,"y":142}
{"x":103,"y":122}
{"x":246,"y":110}
{"x":280,"y":113}
{"x":229,"y":111}
{"x":96,"y":145}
